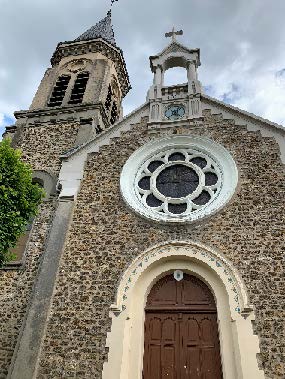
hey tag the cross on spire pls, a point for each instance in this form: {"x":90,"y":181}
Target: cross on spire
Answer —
{"x":173,"y":34}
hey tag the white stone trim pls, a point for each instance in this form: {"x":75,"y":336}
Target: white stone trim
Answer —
{"x":242,"y":112}
{"x":73,"y":163}
{"x":249,"y":120}
{"x":49,"y":182}
{"x":72,"y":168}
{"x":239,"y":345}
{"x":228,"y":169}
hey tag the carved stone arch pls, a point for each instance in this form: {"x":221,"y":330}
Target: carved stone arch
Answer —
{"x":47,"y":180}
{"x":239,"y":346}
{"x":113,"y":100}
{"x":66,"y":79}
{"x":216,"y":261}
{"x":175,"y":60}
{"x":76,"y":65}
{"x":59,"y":88}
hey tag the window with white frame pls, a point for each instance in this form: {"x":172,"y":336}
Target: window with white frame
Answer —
{"x":179,"y":179}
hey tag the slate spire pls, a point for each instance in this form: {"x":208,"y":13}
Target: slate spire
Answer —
{"x":103,"y":29}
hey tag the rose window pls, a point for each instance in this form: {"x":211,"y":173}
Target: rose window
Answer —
{"x":178,"y":182}
{"x":178,"y":178}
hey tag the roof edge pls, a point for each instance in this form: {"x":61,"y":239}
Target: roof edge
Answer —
{"x":243,"y":112}
{"x":116,"y":126}
{"x":196,"y":49}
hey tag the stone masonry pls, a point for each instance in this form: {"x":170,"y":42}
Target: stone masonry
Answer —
{"x":103,"y":235}
{"x":106,"y":236}
{"x":41,"y":147}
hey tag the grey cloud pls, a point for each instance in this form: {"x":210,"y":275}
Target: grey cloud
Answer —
{"x":31,"y":29}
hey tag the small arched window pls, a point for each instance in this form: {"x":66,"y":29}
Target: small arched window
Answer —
{"x":112,"y":99}
{"x":38,"y":181}
{"x":79,"y":88}
{"x":114,"y":114}
{"x":47,"y":181}
{"x":175,"y":75}
{"x":108,"y":100}
{"x":59,"y":90}
{"x":20,"y":247}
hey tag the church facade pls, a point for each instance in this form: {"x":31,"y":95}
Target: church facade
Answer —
{"x":158,"y":251}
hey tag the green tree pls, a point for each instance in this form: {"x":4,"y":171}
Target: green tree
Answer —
{"x":19,"y":198}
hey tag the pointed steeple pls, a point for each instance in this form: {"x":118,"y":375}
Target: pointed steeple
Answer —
{"x":103,"y":29}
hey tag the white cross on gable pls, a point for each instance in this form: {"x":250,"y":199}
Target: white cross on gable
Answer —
{"x":173,"y":34}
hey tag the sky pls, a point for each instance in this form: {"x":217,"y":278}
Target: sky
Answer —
{"x":242,"y":46}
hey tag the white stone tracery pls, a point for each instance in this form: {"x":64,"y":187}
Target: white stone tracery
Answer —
{"x":218,"y":163}
{"x":189,"y":201}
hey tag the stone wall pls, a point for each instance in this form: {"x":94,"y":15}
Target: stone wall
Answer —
{"x":16,"y":287}
{"x":41,"y":147}
{"x":43,"y":144}
{"x":105,"y":237}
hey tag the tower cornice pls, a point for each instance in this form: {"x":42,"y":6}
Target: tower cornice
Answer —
{"x":98,"y":45}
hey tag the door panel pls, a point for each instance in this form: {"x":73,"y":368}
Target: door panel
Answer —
{"x":189,"y":334}
{"x":155,"y":328}
{"x":190,"y":293}
{"x":191,"y":363}
{"x":200,"y":348}
{"x":208,"y":364}
{"x":161,"y":346}
{"x":181,"y":331}
{"x":154,"y":361}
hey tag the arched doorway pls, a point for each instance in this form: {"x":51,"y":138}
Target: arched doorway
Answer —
{"x":181,"y":330}
{"x":238,"y":344}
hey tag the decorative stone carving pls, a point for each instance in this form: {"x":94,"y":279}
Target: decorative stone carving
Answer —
{"x":77,"y":65}
{"x":178,"y":275}
{"x":203,"y":178}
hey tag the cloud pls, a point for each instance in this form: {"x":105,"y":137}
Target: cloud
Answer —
{"x":4,"y":121}
{"x":256,"y":88}
{"x":242,"y":46}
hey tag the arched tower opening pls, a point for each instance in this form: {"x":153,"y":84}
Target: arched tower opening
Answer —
{"x":85,"y":73}
{"x":175,"y":79}
{"x":174,"y":76}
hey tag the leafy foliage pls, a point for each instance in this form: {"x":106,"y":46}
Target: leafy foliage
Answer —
{"x":19,"y":198}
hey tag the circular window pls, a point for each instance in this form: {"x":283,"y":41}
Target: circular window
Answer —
{"x":178,"y":179}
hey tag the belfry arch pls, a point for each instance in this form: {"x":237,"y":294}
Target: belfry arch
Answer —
{"x":173,"y":56}
{"x":175,"y":75}
{"x":238,"y":345}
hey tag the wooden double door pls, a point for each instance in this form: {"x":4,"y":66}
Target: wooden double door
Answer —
{"x":181,"y":332}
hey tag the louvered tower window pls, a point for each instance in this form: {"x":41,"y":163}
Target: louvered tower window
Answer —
{"x":114,"y":114}
{"x":59,"y":91}
{"x":108,"y":98}
{"x":79,"y":88}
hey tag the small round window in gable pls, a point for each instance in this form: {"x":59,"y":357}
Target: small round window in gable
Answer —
{"x":179,"y":178}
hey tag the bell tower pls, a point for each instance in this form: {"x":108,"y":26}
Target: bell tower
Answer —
{"x":86,"y":83}
{"x":181,"y":101}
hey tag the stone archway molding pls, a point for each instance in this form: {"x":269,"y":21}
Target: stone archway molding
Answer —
{"x":239,"y":346}
{"x":194,"y":250}
{"x":49,"y":180}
